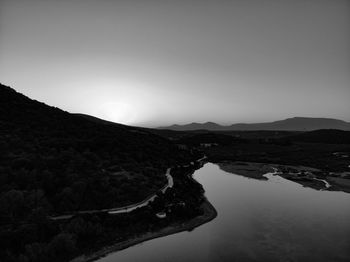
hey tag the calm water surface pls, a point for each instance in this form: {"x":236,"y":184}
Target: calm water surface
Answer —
{"x":274,"y":220}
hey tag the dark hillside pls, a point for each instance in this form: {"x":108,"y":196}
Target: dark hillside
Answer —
{"x":72,"y":162}
{"x":54,"y":163}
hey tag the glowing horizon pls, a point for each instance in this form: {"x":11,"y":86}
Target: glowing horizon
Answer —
{"x":157,"y":63}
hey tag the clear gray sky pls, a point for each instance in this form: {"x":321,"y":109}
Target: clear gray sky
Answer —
{"x":153,"y":63}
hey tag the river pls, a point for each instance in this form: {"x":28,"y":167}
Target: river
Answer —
{"x":273,"y":220}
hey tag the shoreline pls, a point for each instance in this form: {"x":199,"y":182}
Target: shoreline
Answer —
{"x":252,"y":170}
{"x":257,"y":170}
{"x":209,"y":214}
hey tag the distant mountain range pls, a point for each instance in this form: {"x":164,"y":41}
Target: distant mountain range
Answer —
{"x":289,"y":124}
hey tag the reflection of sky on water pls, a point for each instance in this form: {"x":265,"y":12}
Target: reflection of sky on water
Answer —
{"x":258,"y":220}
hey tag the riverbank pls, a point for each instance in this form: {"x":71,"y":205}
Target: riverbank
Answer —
{"x":328,"y":163}
{"x":339,"y":184}
{"x":300,"y":174}
{"x":209,"y":213}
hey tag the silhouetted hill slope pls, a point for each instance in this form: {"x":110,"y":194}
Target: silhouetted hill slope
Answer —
{"x":99,"y":120}
{"x":72,"y":162}
{"x":289,"y":124}
{"x":326,"y":136}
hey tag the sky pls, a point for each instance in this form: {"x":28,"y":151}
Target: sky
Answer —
{"x":156,"y":63}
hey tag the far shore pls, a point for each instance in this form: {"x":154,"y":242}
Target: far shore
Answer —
{"x":247,"y":169}
{"x":209,"y":213}
{"x":258,"y":170}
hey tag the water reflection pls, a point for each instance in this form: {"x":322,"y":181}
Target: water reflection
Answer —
{"x":274,"y":220}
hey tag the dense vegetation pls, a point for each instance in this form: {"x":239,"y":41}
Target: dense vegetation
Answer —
{"x":42,"y":239}
{"x":325,"y":136}
{"x":315,"y":155}
{"x":53,"y":162}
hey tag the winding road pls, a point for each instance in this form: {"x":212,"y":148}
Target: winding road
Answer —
{"x":129,"y":208}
